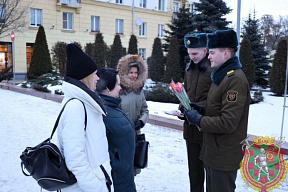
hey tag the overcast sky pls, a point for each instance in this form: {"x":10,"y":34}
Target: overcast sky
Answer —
{"x":271,"y":7}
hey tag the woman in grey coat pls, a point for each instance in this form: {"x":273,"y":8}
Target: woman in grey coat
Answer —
{"x":133,"y":74}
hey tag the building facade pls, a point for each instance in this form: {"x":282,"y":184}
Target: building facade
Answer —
{"x":80,"y":20}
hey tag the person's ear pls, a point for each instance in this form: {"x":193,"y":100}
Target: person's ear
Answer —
{"x":226,"y":54}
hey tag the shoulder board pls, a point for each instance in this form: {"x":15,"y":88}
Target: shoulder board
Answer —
{"x":230,"y":73}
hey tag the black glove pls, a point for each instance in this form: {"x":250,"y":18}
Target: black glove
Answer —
{"x":193,"y":116}
{"x":138,"y":125}
{"x":181,"y":117}
{"x":182,"y":109}
{"x":199,"y":108}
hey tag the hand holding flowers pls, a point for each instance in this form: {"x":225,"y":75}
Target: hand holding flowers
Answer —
{"x":191,"y":114}
{"x":181,"y":94}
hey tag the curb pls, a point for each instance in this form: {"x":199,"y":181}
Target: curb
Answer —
{"x":32,"y":92}
{"x":153,"y":119}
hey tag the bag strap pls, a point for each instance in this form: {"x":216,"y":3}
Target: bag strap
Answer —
{"x":108,"y":180}
{"x":58,"y":118}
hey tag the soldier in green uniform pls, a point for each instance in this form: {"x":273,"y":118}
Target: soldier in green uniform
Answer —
{"x":225,"y":119}
{"x":197,"y":82}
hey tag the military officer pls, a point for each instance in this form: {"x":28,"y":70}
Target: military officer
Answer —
{"x":225,"y":120}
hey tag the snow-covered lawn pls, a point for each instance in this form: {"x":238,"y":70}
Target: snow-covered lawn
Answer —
{"x":28,"y":120}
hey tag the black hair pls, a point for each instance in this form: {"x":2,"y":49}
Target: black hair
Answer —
{"x":108,"y":78}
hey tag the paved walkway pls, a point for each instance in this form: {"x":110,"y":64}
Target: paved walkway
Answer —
{"x":153,"y":119}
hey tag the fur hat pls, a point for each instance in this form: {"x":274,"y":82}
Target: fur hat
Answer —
{"x":195,"y":40}
{"x":124,"y":65}
{"x":78,"y":64}
{"x":222,"y":39}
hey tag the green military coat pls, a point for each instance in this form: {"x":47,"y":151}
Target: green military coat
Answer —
{"x":226,"y":117}
{"x":197,"y":82}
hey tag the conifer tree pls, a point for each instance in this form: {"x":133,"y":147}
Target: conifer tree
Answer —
{"x":210,"y":15}
{"x":251,"y":32}
{"x":133,"y":49}
{"x":278,"y":70}
{"x":116,"y":52}
{"x":173,"y":70}
{"x":180,"y":25}
{"x":40,"y":60}
{"x":89,"y":49}
{"x":78,"y":44}
{"x":247,"y":60}
{"x":99,"y":50}
{"x":59,"y":57}
{"x":156,"y":62}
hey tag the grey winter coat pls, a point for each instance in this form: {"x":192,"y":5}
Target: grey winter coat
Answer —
{"x":132,"y":95}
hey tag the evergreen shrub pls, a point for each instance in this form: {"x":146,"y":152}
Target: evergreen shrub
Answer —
{"x":59,"y":92}
{"x":43,"y":81}
{"x":5,"y":74}
{"x":160,"y":92}
{"x":41,"y":88}
{"x":257,"y":97}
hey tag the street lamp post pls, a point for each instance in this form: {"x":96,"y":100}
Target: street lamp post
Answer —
{"x":133,"y":13}
{"x":238,"y":22}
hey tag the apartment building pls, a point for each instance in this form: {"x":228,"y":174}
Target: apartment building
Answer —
{"x":80,"y":20}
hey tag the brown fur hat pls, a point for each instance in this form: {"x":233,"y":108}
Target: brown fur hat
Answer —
{"x":123,"y":67}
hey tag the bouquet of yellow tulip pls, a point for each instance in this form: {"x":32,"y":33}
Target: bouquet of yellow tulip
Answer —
{"x":181,"y":94}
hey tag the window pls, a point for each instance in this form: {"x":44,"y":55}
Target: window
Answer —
{"x":142,"y":30}
{"x":35,"y":17}
{"x":143,"y":3}
{"x":119,"y":1}
{"x":73,"y":2}
{"x":161,"y":5}
{"x":176,"y":6}
{"x":95,"y":23}
{"x":142,"y":52}
{"x":67,"y":21}
{"x":2,"y":13}
{"x":160,"y":31}
{"x":119,"y":26}
{"x":70,"y":2}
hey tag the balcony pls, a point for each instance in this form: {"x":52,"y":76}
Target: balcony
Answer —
{"x":76,"y":4}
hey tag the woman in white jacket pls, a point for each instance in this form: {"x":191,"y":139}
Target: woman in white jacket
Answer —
{"x":84,"y":150}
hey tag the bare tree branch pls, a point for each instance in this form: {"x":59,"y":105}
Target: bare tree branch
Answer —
{"x":12,"y":16}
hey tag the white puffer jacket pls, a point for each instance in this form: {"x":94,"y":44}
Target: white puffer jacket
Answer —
{"x":84,"y":151}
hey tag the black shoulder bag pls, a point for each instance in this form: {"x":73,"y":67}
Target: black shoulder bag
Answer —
{"x":46,"y":165}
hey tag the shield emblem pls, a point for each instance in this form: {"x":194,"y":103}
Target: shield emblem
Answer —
{"x":263,"y":167}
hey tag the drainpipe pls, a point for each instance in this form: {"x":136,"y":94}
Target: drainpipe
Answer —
{"x":133,"y":12}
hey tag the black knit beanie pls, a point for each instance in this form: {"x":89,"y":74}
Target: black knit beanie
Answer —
{"x":78,"y":65}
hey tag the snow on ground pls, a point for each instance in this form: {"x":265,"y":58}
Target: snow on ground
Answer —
{"x":28,"y":120}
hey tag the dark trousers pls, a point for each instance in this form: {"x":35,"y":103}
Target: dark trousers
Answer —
{"x":196,"y":167}
{"x":220,"y":181}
